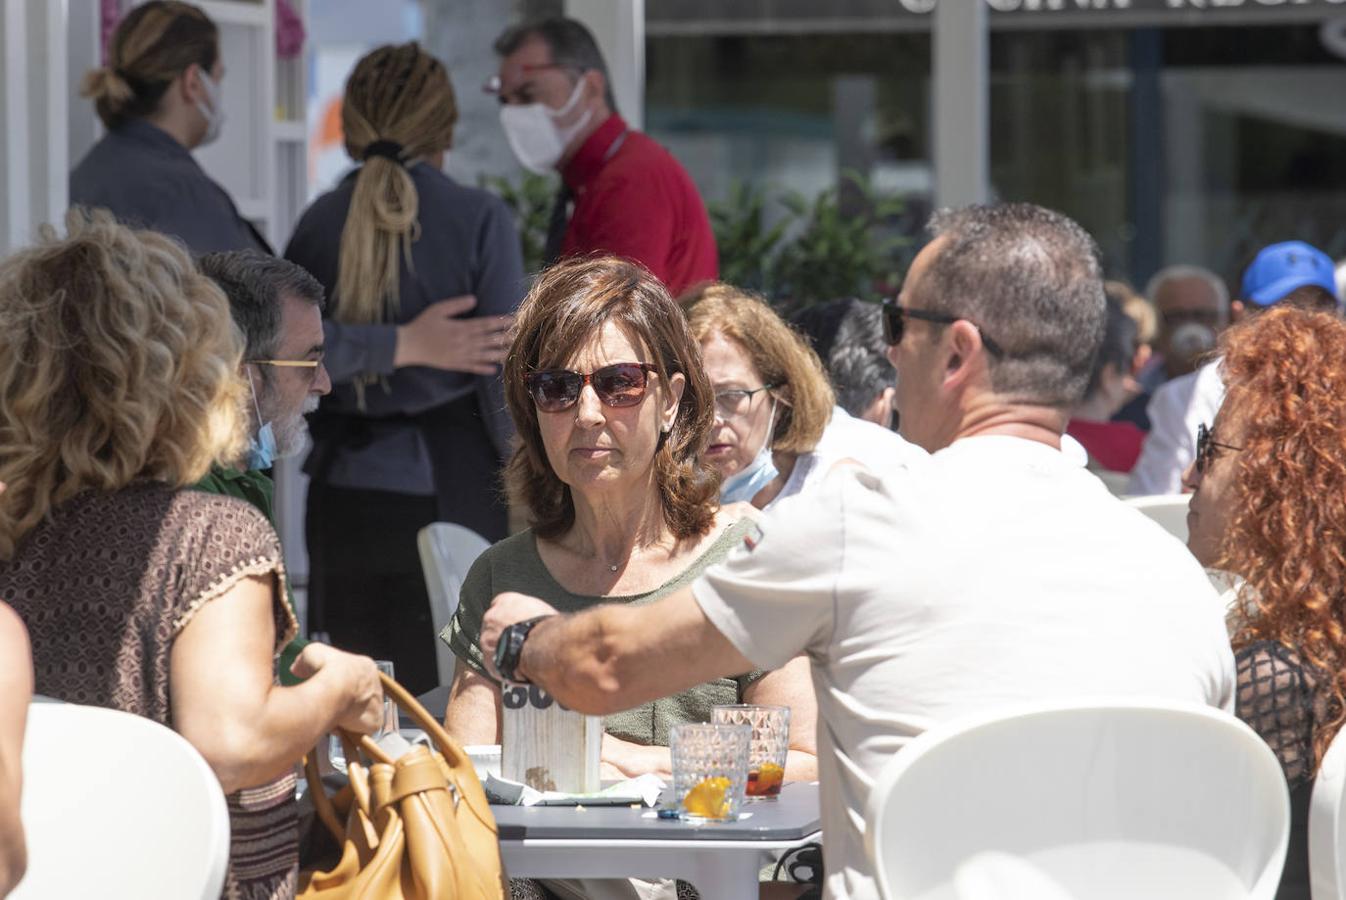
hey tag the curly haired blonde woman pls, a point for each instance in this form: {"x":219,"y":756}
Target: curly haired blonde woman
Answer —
{"x":119,"y":389}
{"x":1270,"y":507}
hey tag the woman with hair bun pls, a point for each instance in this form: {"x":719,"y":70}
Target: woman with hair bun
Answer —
{"x":415,"y":429}
{"x":159,"y":97}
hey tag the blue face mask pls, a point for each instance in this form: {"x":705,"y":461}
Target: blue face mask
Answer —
{"x":743,"y":486}
{"x":262,"y":447}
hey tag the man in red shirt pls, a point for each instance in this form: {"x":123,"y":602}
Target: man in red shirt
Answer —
{"x":630,"y":197}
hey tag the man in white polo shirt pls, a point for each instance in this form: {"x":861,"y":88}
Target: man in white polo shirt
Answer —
{"x":994,"y":572}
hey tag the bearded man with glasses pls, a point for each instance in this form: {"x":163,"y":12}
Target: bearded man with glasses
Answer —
{"x":993,"y":573}
{"x":278,"y":308}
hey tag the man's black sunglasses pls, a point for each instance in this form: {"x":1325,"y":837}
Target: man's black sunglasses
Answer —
{"x":894,"y":323}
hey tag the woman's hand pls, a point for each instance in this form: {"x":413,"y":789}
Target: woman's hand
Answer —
{"x":627,"y":760}
{"x":355,"y":676}
{"x":439,"y":339}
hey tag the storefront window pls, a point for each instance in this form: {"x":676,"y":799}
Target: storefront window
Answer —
{"x":1170,"y":144}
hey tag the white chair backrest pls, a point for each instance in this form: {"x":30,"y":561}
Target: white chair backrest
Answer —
{"x":1169,"y":510}
{"x":447,"y":552}
{"x":117,"y":806}
{"x":1327,"y":825}
{"x":1110,"y":798}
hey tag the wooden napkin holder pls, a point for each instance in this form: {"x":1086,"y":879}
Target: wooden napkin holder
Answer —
{"x":548,"y":747}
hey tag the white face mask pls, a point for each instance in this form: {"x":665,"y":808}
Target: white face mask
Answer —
{"x":212,"y":111}
{"x":534,"y":132}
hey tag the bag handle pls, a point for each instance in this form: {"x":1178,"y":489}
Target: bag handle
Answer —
{"x":453,"y":754}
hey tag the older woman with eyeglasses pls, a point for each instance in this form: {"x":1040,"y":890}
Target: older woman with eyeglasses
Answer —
{"x":613,"y":412}
{"x":1270,"y":509}
{"x":777,"y":429}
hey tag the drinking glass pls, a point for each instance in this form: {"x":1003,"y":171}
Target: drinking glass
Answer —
{"x":710,"y":770}
{"x":770,"y":743}
{"x":336,"y":753}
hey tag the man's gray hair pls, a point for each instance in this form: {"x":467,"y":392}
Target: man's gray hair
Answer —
{"x":848,"y":336}
{"x":1184,"y":271}
{"x":255,"y":283}
{"x":1030,"y":278}
{"x":571,"y":44}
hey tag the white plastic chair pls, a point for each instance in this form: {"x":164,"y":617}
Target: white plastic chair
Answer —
{"x":1169,"y":510}
{"x":117,"y":806}
{"x":992,"y":875}
{"x":1327,"y":825}
{"x":447,"y":552}
{"x":1106,"y":799}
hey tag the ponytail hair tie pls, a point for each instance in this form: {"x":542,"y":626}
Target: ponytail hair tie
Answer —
{"x":387,"y":149}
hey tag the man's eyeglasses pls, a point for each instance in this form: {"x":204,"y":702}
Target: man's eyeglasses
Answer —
{"x":619,"y":385}
{"x":735,"y":401}
{"x":494,"y":85}
{"x":1206,"y":445}
{"x":894,"y":324}
{"x":310,"y":364}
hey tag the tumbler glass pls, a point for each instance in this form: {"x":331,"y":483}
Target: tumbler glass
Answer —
{"x":336,"y":753}
{"x":770,"y":742}
{"x":710,"y":770}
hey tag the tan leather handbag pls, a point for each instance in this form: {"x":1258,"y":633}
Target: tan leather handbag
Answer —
{"x":418,"y":828}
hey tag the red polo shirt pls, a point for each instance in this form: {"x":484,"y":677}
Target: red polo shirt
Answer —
{"x":638,"y":202}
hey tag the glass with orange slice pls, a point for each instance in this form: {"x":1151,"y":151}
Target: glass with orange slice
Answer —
{"x":768,"y":747}
{"x":710,"y":770}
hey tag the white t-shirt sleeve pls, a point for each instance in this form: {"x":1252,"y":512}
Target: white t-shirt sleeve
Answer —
{"x":1165,"y":454}
{"x":774,"y":596}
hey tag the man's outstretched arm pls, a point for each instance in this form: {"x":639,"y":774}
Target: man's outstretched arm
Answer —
{"x":613,"y":657}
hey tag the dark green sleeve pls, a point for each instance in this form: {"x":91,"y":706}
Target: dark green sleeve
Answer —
{"x":463,"y":633}
{"x":747,"y":681}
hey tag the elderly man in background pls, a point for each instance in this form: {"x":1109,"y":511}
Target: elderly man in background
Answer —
{"x":1192,"y":307}
{"x":958,"y":584}
{"x":1291,"y":271}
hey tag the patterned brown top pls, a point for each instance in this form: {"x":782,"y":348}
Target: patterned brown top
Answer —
{"x":105,"y":585}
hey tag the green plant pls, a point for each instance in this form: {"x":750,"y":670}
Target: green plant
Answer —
{"x":747,"y":247}
{"x":531,"y":200}
{"x":846,"y":248}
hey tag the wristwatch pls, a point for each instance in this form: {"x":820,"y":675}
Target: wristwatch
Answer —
{"x":510,"y":649}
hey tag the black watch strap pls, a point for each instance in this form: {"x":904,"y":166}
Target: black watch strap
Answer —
{"x":509,"y":650}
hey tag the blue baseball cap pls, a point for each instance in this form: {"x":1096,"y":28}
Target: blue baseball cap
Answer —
{"x":1281,"y":268}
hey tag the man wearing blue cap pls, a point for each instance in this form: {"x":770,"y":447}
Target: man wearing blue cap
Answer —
{"x":1289,"y":272}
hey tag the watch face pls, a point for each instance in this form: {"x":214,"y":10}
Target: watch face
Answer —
{"x":502,"y":649}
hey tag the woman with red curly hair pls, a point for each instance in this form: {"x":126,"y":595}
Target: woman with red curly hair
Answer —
{"x":1270,"y":508}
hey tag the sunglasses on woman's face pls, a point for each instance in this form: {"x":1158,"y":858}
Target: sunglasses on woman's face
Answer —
{"x":620,"y":384}
{"x":1206,"y":445}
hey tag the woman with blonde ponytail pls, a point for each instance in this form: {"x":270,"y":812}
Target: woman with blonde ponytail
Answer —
{"x":159,"y":97}
{"x":415,"y":429}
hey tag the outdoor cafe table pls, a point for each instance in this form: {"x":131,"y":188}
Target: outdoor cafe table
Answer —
{"x":722,"y":861}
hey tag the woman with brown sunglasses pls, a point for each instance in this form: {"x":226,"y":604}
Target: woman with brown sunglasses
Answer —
{"x":1270,"y":509}
{"x":613,"y":413}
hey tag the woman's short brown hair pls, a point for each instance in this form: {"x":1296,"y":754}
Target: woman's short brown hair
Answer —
{"x":781,"y":354}
{"x":118,"y":361}
{"x":567,"y":307}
